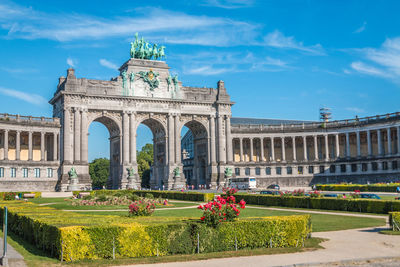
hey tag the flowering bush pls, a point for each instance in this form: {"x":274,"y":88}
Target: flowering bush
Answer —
{"x":355,"y":194}
{"x":286,"y":194}
{"x":298,"y":192}
{"x":315,"y":194}
{"x":143,"y":207}
{"x":223,"y":209}
{"x":9,"y":196}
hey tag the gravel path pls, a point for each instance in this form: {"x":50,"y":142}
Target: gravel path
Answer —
{"x":14,"y":258}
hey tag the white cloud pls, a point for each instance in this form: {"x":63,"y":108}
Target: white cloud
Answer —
{"x":26,"y":23}
{"x":228,"y":4}
{"x":208,"y":70}
{"x":275,"y":62}
{"x":367,"y":69}
{"x":30,"y":98}
{"x":70,"y":62}
{"x":355,"y":109}
{"x":279,"y":40}
{"x":362,"y":28}
{"x":108,"y":64}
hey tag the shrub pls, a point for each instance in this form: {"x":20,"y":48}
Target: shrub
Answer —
{"x":380,"y":187}
{"x":394,"y":220}
{"x":149,"y":196}
{"x":142,"y":207}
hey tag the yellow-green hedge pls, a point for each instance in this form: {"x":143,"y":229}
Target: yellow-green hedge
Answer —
{"x":391,"y":187}
{"x":74,"y":236}
{"x":394,"y":219}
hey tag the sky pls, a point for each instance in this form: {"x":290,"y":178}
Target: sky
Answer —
{"x":279,"y":59}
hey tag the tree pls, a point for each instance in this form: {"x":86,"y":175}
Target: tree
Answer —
{"x":99,"y":170}
{"x":145,"y":161}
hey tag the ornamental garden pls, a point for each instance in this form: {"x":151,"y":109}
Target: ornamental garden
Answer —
{"x":128,"y":224}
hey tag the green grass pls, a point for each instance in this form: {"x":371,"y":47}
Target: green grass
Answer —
{"x":389,"y":232}
{"x":34,"y":257}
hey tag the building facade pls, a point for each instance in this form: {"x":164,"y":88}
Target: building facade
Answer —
{"x":40,"y":153}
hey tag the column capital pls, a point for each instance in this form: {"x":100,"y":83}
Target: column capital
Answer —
{"x":76,"y":109}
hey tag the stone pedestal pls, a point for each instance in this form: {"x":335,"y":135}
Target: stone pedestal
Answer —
{"x":133,"y":182}
{"x":73,"y":184}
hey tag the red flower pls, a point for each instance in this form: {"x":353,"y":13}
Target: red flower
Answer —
{"x":202,"y":218}
{"x":200,"y":207}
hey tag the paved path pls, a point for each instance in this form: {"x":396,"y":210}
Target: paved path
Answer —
{"x":178,"y":208}
{"x":347,"y":245}
{"x":14,"y":258}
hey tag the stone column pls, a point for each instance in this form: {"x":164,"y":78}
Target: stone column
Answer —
{"x":84,"y":137}
{"x":77,"y":135}
{"x":294,"y":147}
{"x":125,"y":138}
{"x":379,"y":136}
{"x":229,"y":152}
{"x":398,"y":140}
{"x":251,"y":149}
{"x":358,"y":144}
{"x":42,"y":157}
{"x":171,"y":141}
{"x":389,"y":138}
{"x":132,"y":138}
{"x":316,"y":147}
{"x":67,"y":145}
{"x":178,"y":151}
{"x":369,"y":145}
{"x":6,"y":144}
{"x":212,"y":140}
{"x":55,"y":146}
{"x":221,"y":141}
{"x":18,"y":145}
{"x":305,"y":147}
{"x":326,"y":147}
{"x":348,"y":145}
{"x":283,"y":149}
{"x":241,"y":149}
{"x":337,"y":146}
{"x":30,"y":154}
{"x":272,"y":149}
{"x":262,"y":148}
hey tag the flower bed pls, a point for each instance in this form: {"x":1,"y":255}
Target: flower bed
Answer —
{"x":72,"y":236}
{"x":382,"y":187}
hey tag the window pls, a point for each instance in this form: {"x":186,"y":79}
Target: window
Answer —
{"x":384,"y":165}
{"x":300,"y":170}
{"x":13,"y":172}
{"x":343,"y":168}
{"x":278,"y":170}
{"x":394,"y":165}
{"x":289,"y":170}
{"x":257,"y":171}
{"x":25,"y":172}
{"x":247,"y":171}
{"x":364,"y":167}
{"x":332,"y":168}
{"x":1,"y":172}
{"x":237,"y":171}
{"x":310,"y":169}
{"x":49,"y":173}
{"x":374,"y":166}
{"x":353,"y":167}
{"x":268,"y":171}
{"x":321,"y":169}
{"x":37,"y":173}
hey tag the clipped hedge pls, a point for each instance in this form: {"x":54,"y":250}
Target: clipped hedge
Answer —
{"x":178,"y":195}
{"x":362,"y":187}
{"x":394,"y":220}
{"x":357,"y":205}
{"x":46,"y":228}
{"x":37,"y":194}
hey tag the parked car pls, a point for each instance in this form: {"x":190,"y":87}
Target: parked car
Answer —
{"x":274,"y":186}
{"x":270,"y":192}
{"x":372,"y":196}
{"x":329,"y":195}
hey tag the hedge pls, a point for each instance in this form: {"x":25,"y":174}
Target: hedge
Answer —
{"x":394,"y":220}
{"x":72,"y":236}
{"x":191,"y":196}
{"x":362,"y":187}
{"x":358,"y":205}
{"x":37,"y":194}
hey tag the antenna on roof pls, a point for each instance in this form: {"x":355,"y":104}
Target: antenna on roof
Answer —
{"x":325,"y":114}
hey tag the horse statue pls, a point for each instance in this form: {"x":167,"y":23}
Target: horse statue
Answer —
{"x":155,"y":52}
{"x":161,"y":52}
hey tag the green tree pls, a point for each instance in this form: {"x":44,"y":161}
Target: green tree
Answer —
{"x":145,"y":161}
{"x":99,"y":170}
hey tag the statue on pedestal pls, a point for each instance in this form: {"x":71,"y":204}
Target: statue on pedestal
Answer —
{"x":73,"y":180}
{"x":131,"y":178}
{"x":177,"y":172}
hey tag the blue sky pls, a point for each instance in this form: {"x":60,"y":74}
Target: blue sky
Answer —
{"x":279,"y":59}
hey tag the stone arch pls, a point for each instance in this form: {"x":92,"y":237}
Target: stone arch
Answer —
{"x":196,"y":166}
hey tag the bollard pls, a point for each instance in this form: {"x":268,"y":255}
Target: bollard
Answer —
{"x":4,"y":259}
{"x":113,"y":248}
{"x":198,"y":243}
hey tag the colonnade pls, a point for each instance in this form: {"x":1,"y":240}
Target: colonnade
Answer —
{"x":317,"y":146}
{"x":18,"y":134}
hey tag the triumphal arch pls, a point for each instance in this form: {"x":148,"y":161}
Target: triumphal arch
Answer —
{"x":144,"y":92}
